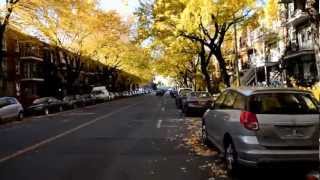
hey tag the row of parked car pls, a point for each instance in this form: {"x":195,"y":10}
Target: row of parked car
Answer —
{"x":259,"y":127}
{"x":192,"y":102}
{"x":11,"y":109}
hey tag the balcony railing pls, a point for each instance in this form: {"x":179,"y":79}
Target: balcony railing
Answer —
{"x":297,"y":16}
{"x":30,"y":52}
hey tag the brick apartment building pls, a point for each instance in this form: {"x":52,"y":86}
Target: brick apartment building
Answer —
{"x":32,"y":68}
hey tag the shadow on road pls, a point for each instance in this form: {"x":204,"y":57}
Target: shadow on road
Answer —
{"x":274,"y":174}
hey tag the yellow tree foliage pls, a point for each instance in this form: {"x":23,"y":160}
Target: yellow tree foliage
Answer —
{"x":204,"y":22}
{"x":271,"y":11}
{"x":84,"y":29}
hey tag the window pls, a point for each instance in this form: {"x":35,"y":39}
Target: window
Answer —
{"x":4,"y":65}
{"x":62,"y":60}
{"x":229,"y":100}
{"x":18,"y":67}
{"x":41,"y":100}
{"x":200,"y":94}
{"x":17,"y":49}
{"x":240,"y":102}
{"x":220,"y":99}
{"x":283,"y":103}
{"x":3,"y":102}
{"x":4,"y":43}
{"x":11,"y":101}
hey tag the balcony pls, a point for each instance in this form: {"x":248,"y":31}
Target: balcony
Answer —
{"x":297,"y":17}
{"x":30,"y":52}
{"x":274,"y":56}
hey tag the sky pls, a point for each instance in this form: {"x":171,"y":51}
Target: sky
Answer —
{"x":123,"y":7}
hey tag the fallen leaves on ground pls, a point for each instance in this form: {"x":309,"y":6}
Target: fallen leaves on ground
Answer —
{"x":193,"y":141}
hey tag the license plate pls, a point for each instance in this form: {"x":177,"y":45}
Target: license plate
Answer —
{"x":202,"y":103}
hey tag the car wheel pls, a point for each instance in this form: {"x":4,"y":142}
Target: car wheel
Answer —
{"x":204,"y":135}
{"x":46,"y":111}
{"x":230,"y":156}
{"x":20,"y":116}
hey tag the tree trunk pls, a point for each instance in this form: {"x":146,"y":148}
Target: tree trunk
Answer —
{"x":2,"y":31}
{"x":206,"y":76}
{"x":223,"y":69}
{"x":204,"y":69}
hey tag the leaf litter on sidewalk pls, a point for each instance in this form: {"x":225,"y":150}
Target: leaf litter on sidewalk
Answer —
{"x":191,"y":140}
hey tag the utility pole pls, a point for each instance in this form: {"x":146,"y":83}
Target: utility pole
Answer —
{"x":236,"y":53}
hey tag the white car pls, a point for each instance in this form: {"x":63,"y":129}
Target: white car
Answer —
{"x":112,"y":96}
{"x":101,"y":93}
{"x":10,"y":109}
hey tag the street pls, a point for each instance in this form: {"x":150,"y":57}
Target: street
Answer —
{"x":139,"y":138}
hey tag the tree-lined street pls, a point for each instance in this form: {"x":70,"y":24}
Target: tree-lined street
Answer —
{"x":159,"y":89}
{"x":137,"y":138}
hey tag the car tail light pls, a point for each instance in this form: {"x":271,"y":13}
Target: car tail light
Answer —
{"x":249,"y":120}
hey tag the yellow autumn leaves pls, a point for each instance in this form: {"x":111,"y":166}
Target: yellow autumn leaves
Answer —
{"x":84,"y":28}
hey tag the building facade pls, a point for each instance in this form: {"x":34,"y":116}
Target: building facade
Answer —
{"x":283,"y":52}
{"x":32,"y":69}
{"x":299,"y":57}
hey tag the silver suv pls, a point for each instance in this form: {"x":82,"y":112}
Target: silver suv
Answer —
{"x":268,"y":126}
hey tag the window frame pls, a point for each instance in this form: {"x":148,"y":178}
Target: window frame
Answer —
{"x":218,"y":105}
{"x":239,"y":95}
{"x":229,"y":94}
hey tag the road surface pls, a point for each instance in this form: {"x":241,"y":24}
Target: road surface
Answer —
{"x":139,"y":138}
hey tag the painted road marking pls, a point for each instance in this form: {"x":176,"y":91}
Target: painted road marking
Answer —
{"x":54,"y":138}
{"x":159,"y":123}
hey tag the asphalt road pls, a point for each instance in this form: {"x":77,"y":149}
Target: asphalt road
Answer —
{"x":140,"y":138}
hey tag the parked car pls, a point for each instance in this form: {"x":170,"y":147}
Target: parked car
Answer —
{"x":10,"y":109}
{"x":160,"y":92}
{"x":173,"y":93}
{"x":73,"y":101}
{"x":46,"y":105}
{"x":88,"y":99}
{"x":198,"y":101}
{"x":101,"y":93}
{"x":117,"y":95}
{"x":182,"y":93}
{"x":112,"y":96}
{"x":266,"y":126}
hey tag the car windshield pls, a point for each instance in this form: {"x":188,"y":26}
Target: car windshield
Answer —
{"x":283,"y":103}
{"x":3,"y":102}
{"x":200,"y":94}
{"x":41,"y":100}
{"x":184,"y":92}
{"x":97,"y":92}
